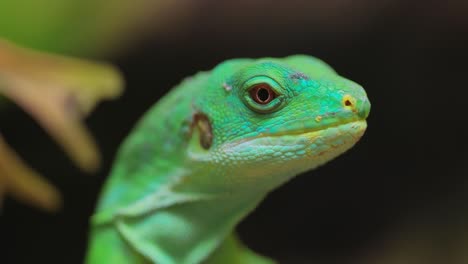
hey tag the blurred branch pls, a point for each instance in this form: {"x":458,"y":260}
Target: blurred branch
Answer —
{"x":58,"y":92}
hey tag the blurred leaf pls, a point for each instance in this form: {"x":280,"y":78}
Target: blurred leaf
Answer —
{"x":58,"y":92}
{"x":87,"y":27}
{"x":23,"y":183}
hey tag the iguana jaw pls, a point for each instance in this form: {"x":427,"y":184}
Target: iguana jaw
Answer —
{"x":337,"y":137}
{"x":262,"y":163}
{"x":308,"y":129}
{"x":316,"y":145}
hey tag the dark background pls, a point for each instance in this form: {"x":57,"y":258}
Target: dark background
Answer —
{"x":399,"y":196}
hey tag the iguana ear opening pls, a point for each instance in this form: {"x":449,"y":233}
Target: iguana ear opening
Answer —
{"x":201,"y":122}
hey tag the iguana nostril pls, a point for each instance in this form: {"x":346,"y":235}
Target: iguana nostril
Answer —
{"x":349,"y":102}
{"x":360,"y":107}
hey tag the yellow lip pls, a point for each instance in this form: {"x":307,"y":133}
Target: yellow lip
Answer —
{"x":355,"y":129}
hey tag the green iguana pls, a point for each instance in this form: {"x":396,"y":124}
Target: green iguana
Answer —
{"x":210,"y":150}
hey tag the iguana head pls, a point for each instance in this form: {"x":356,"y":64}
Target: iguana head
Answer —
{"x":271,"y":119}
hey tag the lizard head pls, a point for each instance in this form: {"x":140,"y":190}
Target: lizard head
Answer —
{"x":274,"y":118}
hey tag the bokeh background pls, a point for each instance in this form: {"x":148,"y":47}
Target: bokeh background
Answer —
{"x":400,"y":196}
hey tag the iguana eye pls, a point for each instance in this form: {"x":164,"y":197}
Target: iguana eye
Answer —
{"x":262,"y":93}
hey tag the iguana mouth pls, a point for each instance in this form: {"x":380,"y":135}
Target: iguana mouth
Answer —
{"x":353,"y":127}
{"x":310,"y":129}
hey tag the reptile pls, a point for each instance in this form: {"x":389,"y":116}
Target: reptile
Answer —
{"x":208,"y":152}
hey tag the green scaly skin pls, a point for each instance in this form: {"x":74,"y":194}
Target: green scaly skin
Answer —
{"x":207,"y":153}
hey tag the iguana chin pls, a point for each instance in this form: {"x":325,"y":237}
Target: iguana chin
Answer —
{"x":209,"y":151}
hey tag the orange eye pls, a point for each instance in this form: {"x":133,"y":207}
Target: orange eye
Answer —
{"x":262,"y":93}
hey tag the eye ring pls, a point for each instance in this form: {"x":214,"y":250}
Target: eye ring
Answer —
{"x":262,"y":93}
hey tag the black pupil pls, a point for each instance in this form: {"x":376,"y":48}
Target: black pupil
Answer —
{"x":263,"y":94}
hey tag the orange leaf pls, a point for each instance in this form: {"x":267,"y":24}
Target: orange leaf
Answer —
{"x":58,"y":92}
{"x":23,"y":183}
